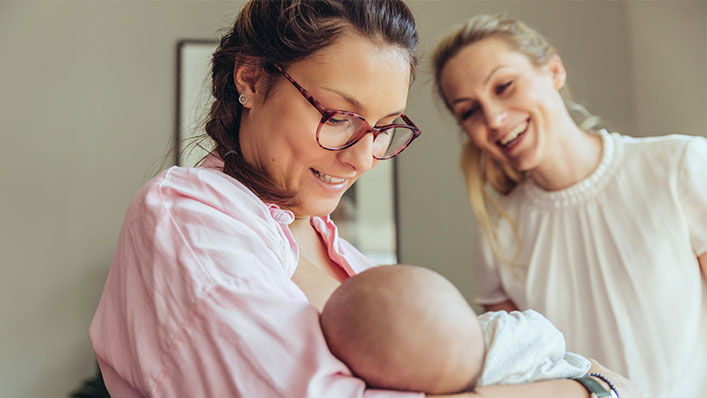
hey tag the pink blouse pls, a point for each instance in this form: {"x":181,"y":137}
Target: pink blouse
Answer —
{"x":199,"y":301}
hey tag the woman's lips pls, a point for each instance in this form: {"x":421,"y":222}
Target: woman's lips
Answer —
{"x":511,"y":138}
{"x":327,"y":178}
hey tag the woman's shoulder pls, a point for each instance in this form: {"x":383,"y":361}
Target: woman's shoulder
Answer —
{"x":203,"y":184}
{"x":191,"y":235}
{"x":193,"y":189}
{"x":660,"y":155}
{"x":624,"y":159}
{"x":666,"y":146}
{"x":201,"y":224}
{"x":211,"y":214}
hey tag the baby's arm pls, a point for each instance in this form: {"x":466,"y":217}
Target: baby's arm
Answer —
{"x":524,"y":346}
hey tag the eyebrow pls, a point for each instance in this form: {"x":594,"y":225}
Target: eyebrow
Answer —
{"x":458,"y":100}
{"x":356,"y":103}
{"x":493,"y":71}
{"x":484,"y":82}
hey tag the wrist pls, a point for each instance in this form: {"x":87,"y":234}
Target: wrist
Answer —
{"x":574,"y":389}
{"x":597,"y":386}
{"x":604,"y":381}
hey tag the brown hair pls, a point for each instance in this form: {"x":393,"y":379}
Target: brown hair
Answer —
{"x":281,"y":32}
{"x":482,"y":171}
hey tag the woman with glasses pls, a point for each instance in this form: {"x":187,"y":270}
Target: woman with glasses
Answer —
{"x":604,"y":234}
{"x":221,"y":270}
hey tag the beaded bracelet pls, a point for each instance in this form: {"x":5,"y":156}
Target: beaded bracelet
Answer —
{"x":607,"y":381}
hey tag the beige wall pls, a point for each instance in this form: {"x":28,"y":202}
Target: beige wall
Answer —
{"x":669,"y":59}
{"x":87,"y":108}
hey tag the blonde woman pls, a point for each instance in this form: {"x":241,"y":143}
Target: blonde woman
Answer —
{"x":604,"y":234}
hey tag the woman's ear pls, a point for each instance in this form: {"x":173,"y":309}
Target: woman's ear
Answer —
{"x":557,"y":71}
{"x":246,"y":78}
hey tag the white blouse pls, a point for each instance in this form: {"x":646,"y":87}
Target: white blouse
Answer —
{"x":612,"y":261}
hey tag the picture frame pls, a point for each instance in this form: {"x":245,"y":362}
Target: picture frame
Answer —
{"x":193,"y":98}
{"x":367,"y":213}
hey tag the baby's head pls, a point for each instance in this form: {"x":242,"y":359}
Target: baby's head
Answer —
{"x":406,"y":328}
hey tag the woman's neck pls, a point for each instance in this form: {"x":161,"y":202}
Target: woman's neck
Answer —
{"x":300,"y":224}
{"x":306,"y":236}
{"x":573,"y":156}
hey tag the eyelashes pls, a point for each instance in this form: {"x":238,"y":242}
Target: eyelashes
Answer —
{"x":502,"y":88}
{"x":468,"y":113}
{"x":499,"y":90}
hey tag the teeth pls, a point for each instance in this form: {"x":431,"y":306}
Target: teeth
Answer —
{"x":514,"y":134}
{"x":328,"y":179}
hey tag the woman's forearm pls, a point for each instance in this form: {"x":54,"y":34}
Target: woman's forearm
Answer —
{"x":543,"y":389}
{"x":557,"y":388}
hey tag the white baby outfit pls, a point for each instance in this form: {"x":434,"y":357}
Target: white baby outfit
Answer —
{"x":522,"y":347}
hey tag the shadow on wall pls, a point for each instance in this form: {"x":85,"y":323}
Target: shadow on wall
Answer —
{"x":92,"y":387}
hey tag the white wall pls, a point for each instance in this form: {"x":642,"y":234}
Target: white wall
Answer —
{"x":87,"y":108}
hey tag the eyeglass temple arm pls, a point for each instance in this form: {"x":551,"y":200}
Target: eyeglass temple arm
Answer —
{"x":303,"y":91}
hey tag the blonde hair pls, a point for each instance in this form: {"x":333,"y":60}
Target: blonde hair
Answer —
{"x":482,"y":171}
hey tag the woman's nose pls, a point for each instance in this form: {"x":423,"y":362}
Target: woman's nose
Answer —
{"x":359,"y":155}
{"x":495,"y":115}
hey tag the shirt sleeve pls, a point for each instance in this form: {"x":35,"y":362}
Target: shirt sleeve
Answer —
{"x":199,"y":302}
{"x":486,"y":280}
{"x":692,"y":182}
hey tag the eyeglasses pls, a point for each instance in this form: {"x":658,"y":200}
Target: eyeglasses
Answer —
{"x":339,"y":130}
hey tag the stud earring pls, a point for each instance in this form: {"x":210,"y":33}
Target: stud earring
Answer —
{"x":242,"y":99}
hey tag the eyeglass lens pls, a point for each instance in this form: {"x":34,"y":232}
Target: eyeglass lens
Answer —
{"x":341,"y":130}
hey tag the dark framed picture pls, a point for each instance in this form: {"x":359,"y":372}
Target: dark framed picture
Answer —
{"x":366,"y":215}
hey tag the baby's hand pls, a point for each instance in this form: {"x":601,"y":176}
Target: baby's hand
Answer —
{"x":624,"y":386}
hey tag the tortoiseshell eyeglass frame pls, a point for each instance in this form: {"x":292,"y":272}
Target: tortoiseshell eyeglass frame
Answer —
{"x":329,"y":113}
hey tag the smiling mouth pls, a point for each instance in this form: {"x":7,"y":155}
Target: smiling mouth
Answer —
{"x":328,"y":179}
{"x":513,"y":136}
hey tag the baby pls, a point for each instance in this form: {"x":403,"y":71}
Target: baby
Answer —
{"x":408,"y":328}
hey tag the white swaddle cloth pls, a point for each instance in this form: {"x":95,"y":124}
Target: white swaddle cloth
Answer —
{"x":522,"y":347}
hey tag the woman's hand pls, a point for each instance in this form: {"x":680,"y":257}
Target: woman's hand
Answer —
{"x":624,"y":386}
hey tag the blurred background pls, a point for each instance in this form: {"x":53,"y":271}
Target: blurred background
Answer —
{"x":87,"y":115}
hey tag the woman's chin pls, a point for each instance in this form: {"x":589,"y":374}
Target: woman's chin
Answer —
{"x":321,"y":208}
{"x":525,"y":161}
